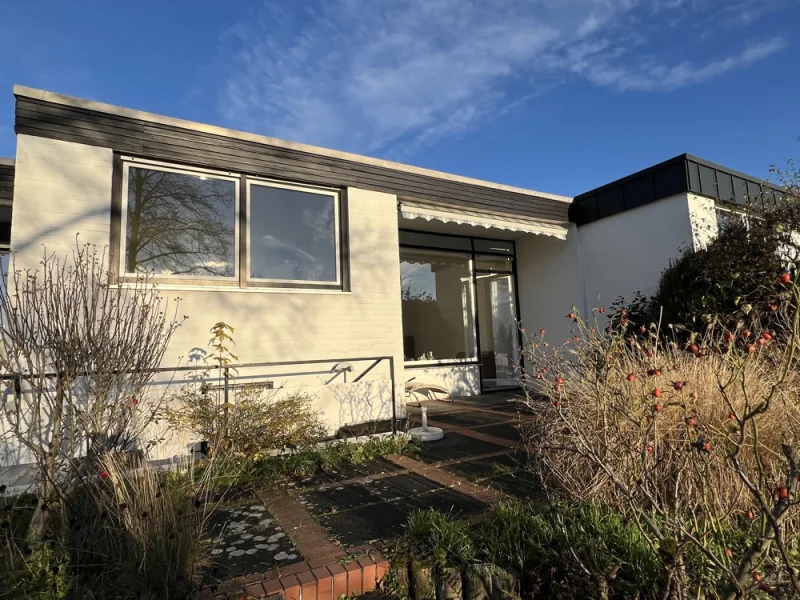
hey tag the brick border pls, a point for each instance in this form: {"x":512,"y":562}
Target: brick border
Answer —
{"x":300,"y":582}
{"x":307,"y":535}
{"x":471,"y":432}
{"x":434,"y":473}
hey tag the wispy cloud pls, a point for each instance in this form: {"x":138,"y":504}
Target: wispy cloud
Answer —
{"x":364,"y":75}
{"x":649,"y":77}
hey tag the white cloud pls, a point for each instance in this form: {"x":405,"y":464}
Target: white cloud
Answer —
{"x":663,"y":77}
{"x":364,"y":75}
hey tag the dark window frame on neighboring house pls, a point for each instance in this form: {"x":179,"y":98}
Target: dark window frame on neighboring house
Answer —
{"x":239,"y":277}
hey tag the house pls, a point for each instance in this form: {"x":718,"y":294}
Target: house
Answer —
{"x":349,"y":275}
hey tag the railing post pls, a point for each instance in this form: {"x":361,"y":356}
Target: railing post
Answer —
{"x":225,"y":385}
{"x":394,"y":395}
{"x":225,"y":375}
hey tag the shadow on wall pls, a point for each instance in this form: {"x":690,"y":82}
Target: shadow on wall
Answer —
{"x":458,"y":380}
{"x":363,"y":402}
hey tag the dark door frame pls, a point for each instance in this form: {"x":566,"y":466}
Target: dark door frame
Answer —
{"x":473,"y":254}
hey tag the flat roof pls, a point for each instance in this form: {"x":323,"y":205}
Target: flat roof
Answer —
{"x":684,"y":173}
{"x":37,"y":94}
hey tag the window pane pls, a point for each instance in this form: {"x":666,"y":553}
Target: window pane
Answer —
{"x":494,"y":246}
{"x":292,"y":235}
{"x":694,"y":178}
{"x":729,"y":218}
{"x":432,"y":240}
{"x":495,"y":264}
{"x":725,"y":186}
{"x":180,"y":224}
{"x":437,"y":301}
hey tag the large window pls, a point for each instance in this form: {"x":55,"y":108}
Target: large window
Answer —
{"x":179,"y":224}
{"x":191,"y":226}
{"x":293,"y":234}
{"x":459,"y":304}
{"x":438,"y":306}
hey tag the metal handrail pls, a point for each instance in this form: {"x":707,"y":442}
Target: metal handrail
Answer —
{"x":17,"y":377}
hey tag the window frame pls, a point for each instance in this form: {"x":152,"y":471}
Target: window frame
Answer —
{"x":225,"y":281}
{"x":240,"y":281}
{"x":336,"y":195}
{"x":732,"y":212}
{"x":475,"y":332}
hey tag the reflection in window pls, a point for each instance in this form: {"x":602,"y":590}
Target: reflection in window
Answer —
{"x":180,"y":224}
{"x":437,"y":304}
{"x":293,"y":235}
{"x":495,"y":264}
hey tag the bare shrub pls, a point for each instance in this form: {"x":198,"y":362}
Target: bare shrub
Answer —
{"x":695,"y":441}
{"x":80,"y":353}
{"x":252,"y":419}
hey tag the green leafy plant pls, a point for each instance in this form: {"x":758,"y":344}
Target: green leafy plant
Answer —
{"x":439,"y":538}
{"x":555,"y":550}
{"x":586,"y":547}
{"x":338,"y":456}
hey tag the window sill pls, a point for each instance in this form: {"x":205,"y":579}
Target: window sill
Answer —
{"x":234,"y":289}
{"x":451,"y":362}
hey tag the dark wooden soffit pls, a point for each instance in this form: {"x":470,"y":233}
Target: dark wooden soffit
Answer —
{"x":159,"y":141}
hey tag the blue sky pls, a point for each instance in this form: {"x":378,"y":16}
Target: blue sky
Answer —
{"x":554,"y":95}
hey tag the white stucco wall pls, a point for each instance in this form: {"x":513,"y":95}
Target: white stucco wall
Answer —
{"x":627,"y":252}
{"x":459,"y":380}
{"x":63,"y":189}
{"x":704,"y":220}
{"x":550,"y":282}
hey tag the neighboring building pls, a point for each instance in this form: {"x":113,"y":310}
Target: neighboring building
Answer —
{"x":320,"y":257}
{"x":6,"y":199}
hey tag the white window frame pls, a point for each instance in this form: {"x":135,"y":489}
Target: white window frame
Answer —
{"x":732,"y":212}
{"x":127,"y":163}
{"x":320,"y":191}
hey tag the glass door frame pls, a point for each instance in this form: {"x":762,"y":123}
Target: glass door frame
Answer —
{"x":467,"y":244}
{"x":512,"y":273}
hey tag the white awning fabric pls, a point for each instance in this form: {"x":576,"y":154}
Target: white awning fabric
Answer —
{"x":488,"y":220}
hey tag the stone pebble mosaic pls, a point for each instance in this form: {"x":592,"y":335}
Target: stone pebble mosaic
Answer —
{"x":247,"y":539}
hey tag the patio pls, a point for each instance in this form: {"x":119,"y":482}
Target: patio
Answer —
{"x":338,"y":523}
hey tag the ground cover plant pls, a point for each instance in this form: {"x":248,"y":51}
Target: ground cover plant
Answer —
{"x":530,"y":550}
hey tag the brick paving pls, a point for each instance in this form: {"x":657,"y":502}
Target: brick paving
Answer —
{"x":476,"y":435}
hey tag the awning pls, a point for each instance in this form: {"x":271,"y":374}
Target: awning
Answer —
{"x":486,"y":219}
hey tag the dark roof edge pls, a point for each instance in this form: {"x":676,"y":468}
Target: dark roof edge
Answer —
{"x":7,"y":162}
{"x":735,"y":173}
{"x":670,"y":162}
{"x":632,"y":176}
{"x":138,"y":115}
